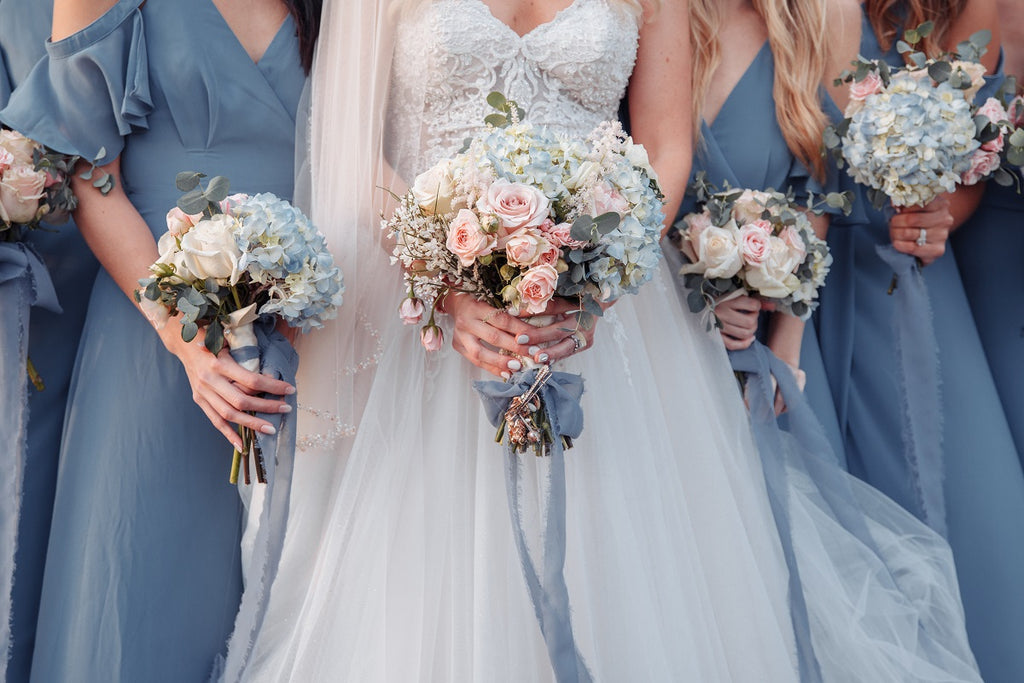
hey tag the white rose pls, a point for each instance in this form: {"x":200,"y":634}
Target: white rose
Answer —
{"x":718,"y":249}
{"x":774,"y":278}
{"x":171,"y":255}
{"x":434,"y":189}
{"x":18,"y":145}
{"x":584,"y":171}
{"x":210,"y":249}
{"x":20,"y":192}
{"x":749,"y":206}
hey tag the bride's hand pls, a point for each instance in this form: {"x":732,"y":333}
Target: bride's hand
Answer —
{"x":482,"y":332}
{"x":223,"y":388}
{"x":573,"y":329}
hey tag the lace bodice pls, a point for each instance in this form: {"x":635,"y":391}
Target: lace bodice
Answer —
{"x":568,"y":74}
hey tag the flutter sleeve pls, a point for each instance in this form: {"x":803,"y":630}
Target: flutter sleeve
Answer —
{"x":90,"y":90}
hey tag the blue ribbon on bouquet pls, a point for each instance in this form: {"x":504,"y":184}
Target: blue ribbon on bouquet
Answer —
{"x":278,"y":359}
{"x":917,"y":356}
{"x":560,"y":397}
{"x":24,"y":282}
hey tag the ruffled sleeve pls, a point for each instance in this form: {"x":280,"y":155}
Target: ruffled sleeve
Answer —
{"x":90,"y":90}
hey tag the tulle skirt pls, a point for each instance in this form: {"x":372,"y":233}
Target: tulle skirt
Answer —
{"x":400,"y":565}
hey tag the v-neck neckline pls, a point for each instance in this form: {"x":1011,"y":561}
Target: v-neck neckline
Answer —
{"x":538,"y":27}
{"x":746,"y":74}
{"x":241,"y":46}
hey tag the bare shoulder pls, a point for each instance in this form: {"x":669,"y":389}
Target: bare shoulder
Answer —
{"x":71,"y":16}
{"x":843,"y":19}
{"x":979,"y":15}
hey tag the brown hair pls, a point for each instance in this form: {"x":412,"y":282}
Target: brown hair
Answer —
{"x":889,"y":17}
{"x":306,"y":14}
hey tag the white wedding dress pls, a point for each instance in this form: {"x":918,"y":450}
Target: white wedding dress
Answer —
{"x":399,"y":562}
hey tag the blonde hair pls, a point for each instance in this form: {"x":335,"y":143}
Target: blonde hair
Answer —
{"x":888,"y":17}
{"x":796,"y":30}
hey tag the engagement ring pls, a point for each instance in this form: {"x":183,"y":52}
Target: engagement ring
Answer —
{"x":922,"y":238}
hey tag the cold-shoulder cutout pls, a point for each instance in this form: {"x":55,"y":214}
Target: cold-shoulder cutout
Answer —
{"x":90,"y":90}
{"x":71,"y":16}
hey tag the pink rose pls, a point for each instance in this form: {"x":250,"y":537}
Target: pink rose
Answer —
{"x":20,"y":191}
{"x":516,"y":205}
{"x":20,"y":147}
{"x":795,"y":243}
{"x":53,"y":178}
{"x":536,"y":287}
{"x":467,"y":239}
{"x":411,"y":311}
{"x":6,"y":160}
{"x":870,"y":85}
{"x":754,"y":244}
{"x":559,"y":235}
{"x":606,"y":199}
{"x":431,"y":337}
{"x":982,"y":163}
{"x":762,"y":225}
{"x":695,"y":224}
{"x":994,"y":111}
{"x":550,"y":256}
{"x":179,"y":222}
{"x":525,"y":247}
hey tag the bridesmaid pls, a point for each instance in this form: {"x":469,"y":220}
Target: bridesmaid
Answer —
{"x":53,"y":342}
{"x":988,"y":250}
{"x":983,"y":482}
{"x":732,"y":87}
{"x":142,"y":576}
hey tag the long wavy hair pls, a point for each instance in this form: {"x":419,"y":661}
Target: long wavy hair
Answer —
{"x":796,"y":33}
{"x":890,"y":17}
{"x":306,"y":14}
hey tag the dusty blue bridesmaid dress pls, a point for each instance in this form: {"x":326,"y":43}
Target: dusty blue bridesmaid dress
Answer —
{"x":142,"y":577}
{"x":748,"y":151}
{"x":983,"y":482}
{"x":53,"y":342}
{"x":989,"y":249}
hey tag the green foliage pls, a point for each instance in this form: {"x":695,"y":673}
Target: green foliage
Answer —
{"x":198,"y":199}
{"x":508,"y":111}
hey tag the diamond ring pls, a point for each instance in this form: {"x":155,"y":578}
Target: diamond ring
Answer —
{"x":922,"y":238}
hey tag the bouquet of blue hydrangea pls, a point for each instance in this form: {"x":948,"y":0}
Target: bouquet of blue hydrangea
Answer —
{"x":228,"y":261}
{"x":913,"y":133}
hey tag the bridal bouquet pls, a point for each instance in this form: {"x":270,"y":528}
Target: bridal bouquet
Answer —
{"x":913,"y":133}
{"x":227,"y":261}
{"x":753,"y":242}
{"x":521,"y":216}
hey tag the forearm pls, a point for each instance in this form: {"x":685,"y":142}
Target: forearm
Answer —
{"x":115,"y":231}
{"x":785,"y":336}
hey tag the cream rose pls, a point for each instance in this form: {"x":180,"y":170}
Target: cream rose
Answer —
{"x":6,"y":160}
{"x":581,"y":176}
{"x":20,"y":147}
{"x":749,"y":206}
{"x":796,"y":245}
{"x":210,"y":251}
{"x":536,"y":287}
{"x":20,"y":192}
{"x":774,"y":278}
{"x":754,"y":244}
{"x":719,"y":252}
{"x":976,"y":72}
{"x":467,"y":239}
{"x":171,"y":255}
{"x":525,"y":247}
{"x":516,"y":205}
{"x":433,"y":190}
{"x":179,"y":222}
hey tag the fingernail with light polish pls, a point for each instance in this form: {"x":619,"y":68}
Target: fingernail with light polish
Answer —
{"x":542,"y":358}
{"x":268,"y":429}
{"x":514,"y":365}
{"x":523,"y":339}
{"x":506,"y":376}
{"x":285,"y":409}
{"x":533,"y":350}
{"x":290,"y":390}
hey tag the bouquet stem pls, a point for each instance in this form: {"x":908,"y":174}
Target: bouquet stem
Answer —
{"x":33,"y":375}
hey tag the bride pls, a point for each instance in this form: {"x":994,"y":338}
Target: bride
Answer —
{"x":398,"y":562}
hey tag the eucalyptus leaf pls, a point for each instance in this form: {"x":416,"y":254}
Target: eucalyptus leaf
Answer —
{"x":695,"y":300}
{"x":591,"y":306}
{"x":187,"y":308}
{"x":188,"y":180}
{"x":940,"y":71}
{"x":218,"y":188}
{"x":189,"y":330}
{"x":497,"y":100}
{"x":1003,"y":177}
{"x":214,"y":340}
{"x":496,"y":120}
{"x":193,"y":202}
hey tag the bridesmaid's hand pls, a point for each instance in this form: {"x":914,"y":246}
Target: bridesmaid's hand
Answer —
{"x":483,"y":332}
{"x":935,"y":218}
{"x":223,"y":388}
{"x":738,"y":317}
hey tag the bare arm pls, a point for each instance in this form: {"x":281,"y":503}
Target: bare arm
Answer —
{"x":659,"y":99}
